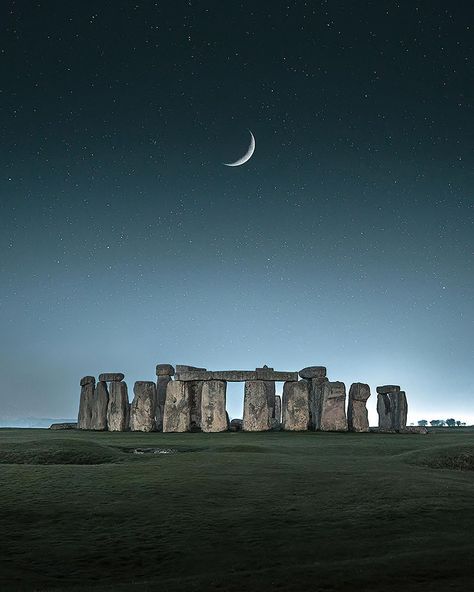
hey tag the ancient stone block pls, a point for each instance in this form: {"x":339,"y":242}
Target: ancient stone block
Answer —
{"x":143,"y":408}
{"x":277,"y":409}
{"x":177,"y":410}
{"x":84,"y":417}
{"x":236,"y":425}
{"x":333,"y":409}
{"x":99,"y":407}
{"x":295,"y":406}
{"x":111,"y":377}
{"x":392,"y":408}
{"x":387,"y":388}
{"x":87,"y":380}
{"x":161,"y":385}
{"x":213,"y":414}
{"x":194,"y":389}
{"x":316,"y":401}
{"x":357,"y":415}
{"x":384,"y":411}
{"x":266,"y":374}
{"x":312,"y":372}
{"x":63,"y":426}
{"x":164,"y":370}
{"x":258,"y":408}
{"x":118,"y":407}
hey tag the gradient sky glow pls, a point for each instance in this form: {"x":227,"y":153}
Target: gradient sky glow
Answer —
{"x":347,"y":240}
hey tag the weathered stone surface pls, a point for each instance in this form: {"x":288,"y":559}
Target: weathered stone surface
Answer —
{"x":392,"y":408}
{"x":87,"y":380}
{"x":177,"y":411}
{"x":213,"y":414}
{"x":161,"y":385}
{"x":357,"y":415}
{"x":99,"y":407}
{"x":143,"y":408}
{"x":333,"y":408}
{"x":236,"y":375}
{"x":295,"y":406}
{"x":316,"y":401}
{"x":63,"y":426}
{"x":180,"y":368}
{"x":277,"y":409}
{"x":164,"y":370}
{"x":84,"y":417}
{"x":118,"y":408}
{"x":313,"y":372}
{"x":387,"y":388}
{"x":236,"y":425}
{"x":111,"y":377}
{"x":258,"y":407}
{"x":194,"y":389}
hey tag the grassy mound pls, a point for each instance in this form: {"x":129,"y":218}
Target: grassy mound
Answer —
{"x":57,"y":452}
{"x":458,"y":458}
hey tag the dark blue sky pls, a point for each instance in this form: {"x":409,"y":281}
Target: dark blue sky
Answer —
{"x":347,"y":240}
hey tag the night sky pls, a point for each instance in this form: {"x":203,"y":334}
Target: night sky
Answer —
{"x":346,"y":241}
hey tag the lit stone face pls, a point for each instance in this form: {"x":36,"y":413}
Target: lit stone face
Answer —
{"x":213,"y":414}
{"x":333,"y":407}
{"x":295,"y":406}
{"x":118,"y":409}
{"x":143,"y":408}
{"x":177,"y":408}
{"x":258,"y":407}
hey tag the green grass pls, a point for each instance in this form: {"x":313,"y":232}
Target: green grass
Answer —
{"x":236,"y":512}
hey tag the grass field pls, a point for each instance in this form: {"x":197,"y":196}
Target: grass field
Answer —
{"x":237,"y":512}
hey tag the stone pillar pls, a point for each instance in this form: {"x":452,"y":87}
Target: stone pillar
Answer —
{"x":333,"y":411}
{"x":392,"y":408}
{"x":316,"y":377}
{"x":99,"y":409}
{"x":143,"y":408}
{"x":213,"y":413}
{"x":295,"y":406}
{"x":118,"y":409}
{"x":357,"y":416}
{"x":164,"y":372}
{"x":84,"y":418}
{"x":277,"y":414}
{"x":177,"y":410}
{"x":195,"y":394}
{"x":257,"y":408}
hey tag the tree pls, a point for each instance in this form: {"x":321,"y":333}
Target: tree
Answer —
{"x":441,"y":422}
{"x":458,"y":423}
{"x":451,"y":422}
{"x":434,"y":422}
{"x":423,"y":422}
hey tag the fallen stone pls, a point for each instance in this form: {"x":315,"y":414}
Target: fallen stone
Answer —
{"x":99,"y":407}
{"x":118,"y":409}
{"x":258,"y":409}
{"x":387,"y":388}
{"x":161,"y":385}
{"x":236,"y":425}
{"x":87,"y":380}
{"x":177,"y":410}
{"x":357,"y":415}
{"x":63,"y":426}
{"x":333,"y":409}
{"x":143,"y":408}
{"x":295,"y":406}
{"x":164,"y":370}
{"x":313,"y":372}
{"x":213,"y":414}
{"x":111,"y":377}
{"x":84,"y":417}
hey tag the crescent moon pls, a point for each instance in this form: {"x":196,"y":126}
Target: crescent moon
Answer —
{"x":247,"y":156}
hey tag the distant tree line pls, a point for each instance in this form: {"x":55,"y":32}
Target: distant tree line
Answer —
{"x":450,"y":423}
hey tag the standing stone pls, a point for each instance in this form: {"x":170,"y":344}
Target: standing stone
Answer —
{"x":295,"y":406}
{"x":384,"y":411}
{"x":84,"y":417}
{"x":277,"y":413}
{"x":177,"y":411}
{"x":213,"y":414}
{"x":258,"y":407}
{"x":333,"y":411}
{"x":195,"y":394}
{"x":392,"y":408}
{"x":161,"y":386}
{"x":316,"y":401}
{"x":118,"y":407}
{"x":99,"y":407}
{"x":143,"y":408}
{"x":357,"y":415}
